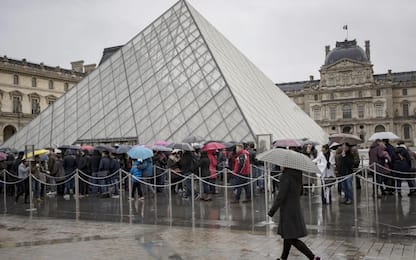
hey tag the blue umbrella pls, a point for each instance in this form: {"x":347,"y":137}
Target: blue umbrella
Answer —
{"x":140,"y":153}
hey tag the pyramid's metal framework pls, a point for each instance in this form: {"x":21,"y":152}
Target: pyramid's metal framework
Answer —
{"x":177,"y":77}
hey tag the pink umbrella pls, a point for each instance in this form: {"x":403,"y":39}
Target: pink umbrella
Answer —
{"x":161,"y":143}
{"x":87,"y":148}
{"x":287,"y":143}
{"x":213,"y":146}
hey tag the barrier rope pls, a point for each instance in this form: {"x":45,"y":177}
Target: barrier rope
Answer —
{"x":385,"y":185}
{"x":391,"y":170}
{"x":14,"y":182}
{"x":228,"y":186}
{"x":391,"y":177}
{"x":158,"y":185}
{"x":56,"y":184}
{"x":98,"y":178}
{"x":117,"y":182}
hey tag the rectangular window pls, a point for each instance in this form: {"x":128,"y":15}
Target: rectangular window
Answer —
{"x":316,"y":114}
{"x":15,"y":79}
{"x":379,"y":110}
{"x":404,"y":92}
{"x":17,"y":105}
{"x":34,"y":83}
{"x":405,"y":109}
{"x":360,"y":111}
{"x":50,"y":84}
{"x":346,"y":112}
{"x":333,"y":113}
{"x":66,"y":86}
{"x":35,"y":106}
{"x":378,"y":92}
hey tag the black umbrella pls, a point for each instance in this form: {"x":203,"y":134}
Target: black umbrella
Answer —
{"x":183,"y":147}
{"x":123,"y":149}
{"x":102,"y":148}
{"x":69,"y":147}
{"x":193,"y":139}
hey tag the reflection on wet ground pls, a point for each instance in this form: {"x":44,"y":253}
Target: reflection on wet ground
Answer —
{"x":385,"y":228}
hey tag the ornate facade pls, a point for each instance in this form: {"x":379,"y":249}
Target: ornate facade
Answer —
{"x":26,"y":89}
{"x":349,"y":98}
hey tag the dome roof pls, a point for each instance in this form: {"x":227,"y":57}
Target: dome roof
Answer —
{"x":346,"y":50}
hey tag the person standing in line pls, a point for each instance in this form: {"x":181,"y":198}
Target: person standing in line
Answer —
{"x":242,"y":173}
{"x":23,"y":186}
{"x":326,"y":162}
{"x":291,"y":223}
{"x":346,"y":166}
{"x":137,"y":170}
{"x":403,"y":165}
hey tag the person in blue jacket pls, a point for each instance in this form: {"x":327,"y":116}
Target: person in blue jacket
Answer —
{"x":137,"y":171}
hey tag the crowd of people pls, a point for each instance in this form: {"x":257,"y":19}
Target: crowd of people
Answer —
{"x":98,"y":171}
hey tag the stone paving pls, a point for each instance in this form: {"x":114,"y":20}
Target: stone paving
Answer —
{"x":44,"y":238}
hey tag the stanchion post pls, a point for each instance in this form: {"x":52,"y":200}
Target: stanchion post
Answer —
{"x":251,"y":182}
{"x":76,"y":192}
{"x":154,"y":180}
{"x":366,"y":190}
{"x":130,"y":195}
{"x":266,"y":199}
{"x":170,"y":193}
{"x":225,"y":173}
{"x":193,"y":195}
{"x":120,"y":191}
{"x":200,"y":181}
{"x":354,"y":190}
{"x":30,"y":188}
{"x":375,"y":188}
{"x":4,"y":191}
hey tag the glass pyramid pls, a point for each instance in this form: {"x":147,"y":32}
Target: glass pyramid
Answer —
{"x":177,"y":77}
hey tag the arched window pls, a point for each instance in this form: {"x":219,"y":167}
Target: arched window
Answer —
{"x":379,"y":128}
{"x":347,"y":130}
{"x":15,"y":79}
{"x":405,"y":109}
{"x":406,"y":131}
{"x":8,"y":131}
{"x":316,"y":97}
{"x":346,"y":111}
{"x":50,"y":84}
{"x":378,"y":92}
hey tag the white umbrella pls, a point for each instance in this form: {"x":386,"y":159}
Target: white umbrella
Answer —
{"x":383,"y":135}
{"x":345,"y":138}
{"x":289,"y":159}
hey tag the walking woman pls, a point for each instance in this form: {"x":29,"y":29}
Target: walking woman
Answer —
{"x":291,"y":223}
{"x":326,"y":163}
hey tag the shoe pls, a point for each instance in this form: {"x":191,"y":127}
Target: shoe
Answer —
{"x":348,"y":202}
{"x":115,"y":196}
{"x":39,"y":200}
{"x":132,"y":199}
{"x":66,"y":197}
{"x":141,"y":198}
{"x":246,"y":201}
{"x":197,"y":196}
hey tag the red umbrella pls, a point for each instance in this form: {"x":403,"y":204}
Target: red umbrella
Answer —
{"x":3,"y":156}
{"x":161,"y":143}
{"x":87,"y":147}
{"x":213,"y":146}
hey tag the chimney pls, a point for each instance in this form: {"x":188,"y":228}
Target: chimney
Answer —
{"x":327,"y":50}
{"x":311,"y":77}
{"x":367,"y":49}
{"x":88,"y":68}
{"x":78,"y":66}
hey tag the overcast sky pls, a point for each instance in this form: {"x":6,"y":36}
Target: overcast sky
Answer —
{"x":285,"y":39}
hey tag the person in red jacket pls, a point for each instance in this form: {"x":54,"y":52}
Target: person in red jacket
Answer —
{"x":241,"y":172}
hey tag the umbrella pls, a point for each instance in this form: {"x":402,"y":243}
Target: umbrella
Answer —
{"x":213,"y":147}
{"x":123,"y":149}
{"x":383,"y":135}
{"x":37,"y":152}
{"x":8,"y":150}
{"x":71,"y":147}
{"x":193,"y":139}
{"x":3,"y":156}
{"x":288,"y":159}
{"x":161,"y":143}
{"x":87,"y":148}
{"x":306,"y":142}
{"x":140,"y":153}
{"x":102,"y":148}
{"x":287,"y":143}
{"x":334,"y":146}
{"x":43,"y":157}
{"x":183,"y":147}
{"x":161,"y":148}
{"x":345,"y":138}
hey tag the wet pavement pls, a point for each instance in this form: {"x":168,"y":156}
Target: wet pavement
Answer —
{"x":149,"y":229}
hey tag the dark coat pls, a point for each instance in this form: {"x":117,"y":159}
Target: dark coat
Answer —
{"x":95,"y":162}
{"x":69,"y":164}
{"x":346,"y":164}
{"x":403,"y":162}
{"x":188,"y":163}
{"x":204,"y":165}
{"x":291,"y":222}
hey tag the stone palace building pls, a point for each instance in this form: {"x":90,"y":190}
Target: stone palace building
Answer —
{"x":350,"y":98}
{"x":27,"y":88}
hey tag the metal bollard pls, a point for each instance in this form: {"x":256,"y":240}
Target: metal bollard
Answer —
{"x":354,"y":190}
{"x":266,"y":199}
{"x":170,"y":193}
{"x":251,"y":182}
{"x":366,"y":190}
{"x":200,"y":182}
{"x":226,"y":192}
{"x":130,"y":194}
{"x":4,"y":191}
{"x":76,"y":193}
{"x":193,"y":196}
{"x":120,"y":192}
{"x":30,"y":189}
{"x":154,"y":180}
